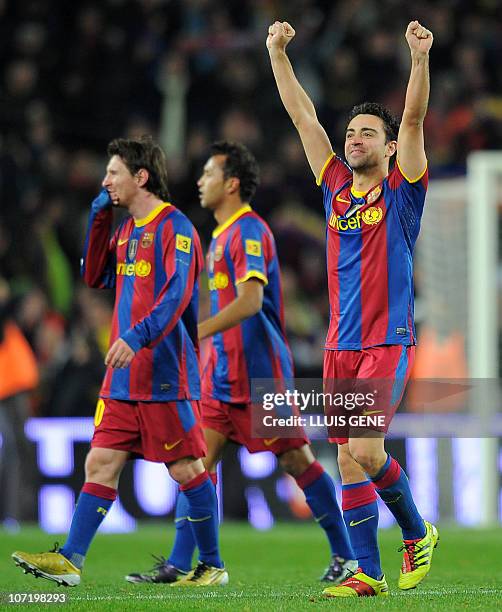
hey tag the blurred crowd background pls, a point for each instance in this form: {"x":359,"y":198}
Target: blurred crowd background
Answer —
{"x":77,"y":74}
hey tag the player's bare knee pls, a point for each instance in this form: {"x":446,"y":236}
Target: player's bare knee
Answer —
{"x":179,"y":470}
{"x":103,"y":466}
{"x":350,"y":470}
{"x":369,"y":461}
{"x":186,"y":469}
{"x":296,"y":461}
{"x":369,"y":454}
{"x":345,"y":460}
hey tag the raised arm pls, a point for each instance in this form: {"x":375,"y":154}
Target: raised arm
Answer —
{"x":297,"y":103}
{"x":410,"y":143}
{"x":97,"y":265}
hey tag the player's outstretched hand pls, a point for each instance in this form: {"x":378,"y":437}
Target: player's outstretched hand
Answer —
{"x":279,"y":35}
{"x":120,"y":354}
{"x":102,"y":201}
{"x":418,"y":38}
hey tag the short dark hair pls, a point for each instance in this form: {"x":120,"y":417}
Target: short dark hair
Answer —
{"x":390,"y":122}
{"x":239,"y":163}
{"x":143,"y":152}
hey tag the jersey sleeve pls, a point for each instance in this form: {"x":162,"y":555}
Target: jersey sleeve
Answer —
{"x":410,"y":197}
{"x":250,"y":251}
{"x":182,"y":261}
{"x":334,"y":175}
{"x":98,"y":263}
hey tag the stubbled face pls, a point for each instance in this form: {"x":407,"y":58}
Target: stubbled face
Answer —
{"x":119,"y":182}
{"x":212,"y":183}
{"x":365,"y":145}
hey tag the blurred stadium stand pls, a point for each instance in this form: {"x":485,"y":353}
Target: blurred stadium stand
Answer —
{"x":76,"y":75}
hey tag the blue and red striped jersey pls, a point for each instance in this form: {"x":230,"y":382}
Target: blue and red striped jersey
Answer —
{"x":154,"y":265}
{"x":369,"y":247}
{"x":242,"y":248}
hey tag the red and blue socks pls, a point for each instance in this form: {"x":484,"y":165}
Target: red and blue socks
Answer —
{"x":360,"y":512}
{"x":202,"y":505}
{"x":393,"y":487}
{"x":184,"y":539}
{"x":320,"y":494}
{"x":92,"y":506}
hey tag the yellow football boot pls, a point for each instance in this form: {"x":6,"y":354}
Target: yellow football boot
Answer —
{"x":51,"y":565}
{"x":203,"y":576}
{"x":359,"y":585}
{"x":417,"y":558}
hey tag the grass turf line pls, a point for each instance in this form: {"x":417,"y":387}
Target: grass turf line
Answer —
{"x":272,"y":570}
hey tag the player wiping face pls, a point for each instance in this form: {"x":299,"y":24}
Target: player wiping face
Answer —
{"x":122,"y":186}
{"x":148,"y":403}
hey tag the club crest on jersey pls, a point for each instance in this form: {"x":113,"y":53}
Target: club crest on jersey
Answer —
{"x":132,"y":249}
{"x":210,"y":261}
{"x":372,"y":215}
{"x":147,"y":239}
{"x":218,"y":252}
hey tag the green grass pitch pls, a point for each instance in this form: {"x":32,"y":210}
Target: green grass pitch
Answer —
{"x":272,"y":570}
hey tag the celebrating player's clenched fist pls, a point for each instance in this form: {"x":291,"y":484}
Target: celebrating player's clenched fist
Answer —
{"x":279,"y":35}
{"x":419,"y":38}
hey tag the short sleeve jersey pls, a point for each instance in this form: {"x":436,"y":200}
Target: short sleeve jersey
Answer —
{"x":369,"y":248}
{"x":242,"y":248}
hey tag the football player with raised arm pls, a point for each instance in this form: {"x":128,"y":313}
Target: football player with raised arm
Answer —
{"x":373,"y":217}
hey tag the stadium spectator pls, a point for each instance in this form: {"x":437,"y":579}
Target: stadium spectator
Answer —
{"x":53,"y":129}
{"x":18,"y":377}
